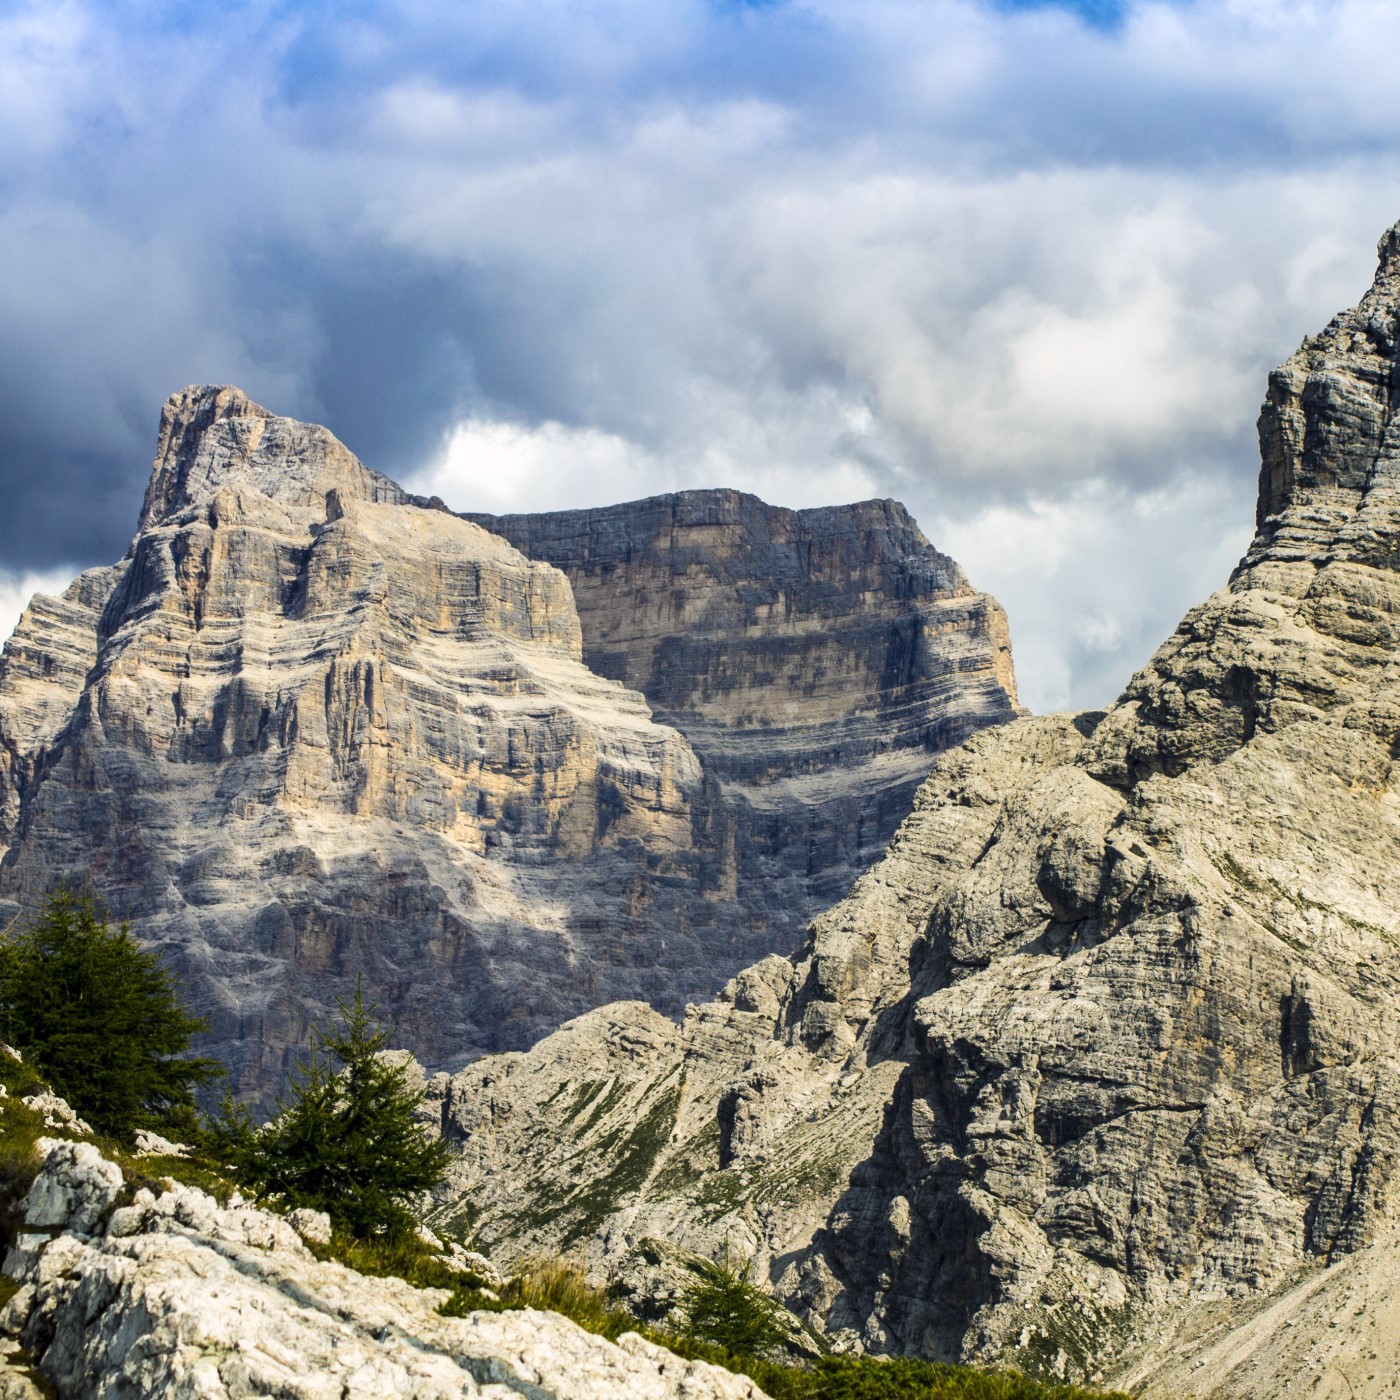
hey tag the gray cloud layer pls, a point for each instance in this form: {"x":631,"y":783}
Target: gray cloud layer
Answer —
{"x":1025,"y":274}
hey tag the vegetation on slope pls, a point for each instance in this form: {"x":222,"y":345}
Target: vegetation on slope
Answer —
{"x":347,"y":1141}
{"x":100,"y":1019}
{"x":730,"y":1323}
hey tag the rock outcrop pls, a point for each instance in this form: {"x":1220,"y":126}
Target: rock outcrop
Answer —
{"x":1110,"y":1036}
{"x":174,"y":1295}
{"x":815,"y":660}
{"x":312,"y":730}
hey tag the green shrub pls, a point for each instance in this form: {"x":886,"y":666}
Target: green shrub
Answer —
{"x":347,"y":1139}
{"x":722,"y":1308}
{"x":561,"y":1287}
{"x":99,"y":1018}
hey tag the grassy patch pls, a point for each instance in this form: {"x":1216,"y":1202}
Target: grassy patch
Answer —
{"x":682,"y":1171}
{"x":553,"y":1286}
{"x":155,"y":1172}
{"x":20,"y":1360}
{"x":399,"y":1256}
{"x":558,"y":1287}
{"x":19,"y":1077}
{"x":1078,"y":1331}
{"x":636,"y":1153}
{"x":629,"y":1151}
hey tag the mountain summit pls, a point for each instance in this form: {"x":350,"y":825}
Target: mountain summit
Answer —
{"x":312,"y":729}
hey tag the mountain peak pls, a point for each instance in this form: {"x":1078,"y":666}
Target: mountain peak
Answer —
{"x":1325,"y":434}
{"x":213,"y":436}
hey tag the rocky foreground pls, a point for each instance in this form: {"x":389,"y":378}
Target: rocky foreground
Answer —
{"x":312,"y":730}
{"x":1097,"y":1071}
{"x":174,"y":1295}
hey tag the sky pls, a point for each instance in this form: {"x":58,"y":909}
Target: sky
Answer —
{"x":1024,"y":267}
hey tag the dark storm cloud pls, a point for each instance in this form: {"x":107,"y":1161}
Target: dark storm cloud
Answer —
{"x":1023,"y":265}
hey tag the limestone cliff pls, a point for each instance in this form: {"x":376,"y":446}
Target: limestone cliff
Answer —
{"x":311,"y":730}
{"x":1108,"y":1042}
{"x":814,"y":659}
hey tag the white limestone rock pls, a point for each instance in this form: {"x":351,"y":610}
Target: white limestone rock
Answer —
{"x":314,"y":1226}
{"x":74,"y":1190}
{"x":57,"y":1112}
{"x":188,"y":1316}
{"x":182,"y":1297}
{"x":149,"y":1144}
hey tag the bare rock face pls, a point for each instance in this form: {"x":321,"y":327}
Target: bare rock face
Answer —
{"x":175,"y":1296}
{"x":814,"y":659}
{"x":312,"y":730}
{"x":308,"y":731}
{"x":1109,"y":1037}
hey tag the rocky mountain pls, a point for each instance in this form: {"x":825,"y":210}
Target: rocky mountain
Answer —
{"x":312,"y":730}
{"x":1104,"y":1051}
{"x":814,"y":659}
{"x":170,"y":1293}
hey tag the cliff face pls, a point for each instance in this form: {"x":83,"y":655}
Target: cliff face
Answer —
{"x":1109,"y":1037}
{"x":312,"y":730}
{"x":308,"y":731}
{"x":814,"y":659}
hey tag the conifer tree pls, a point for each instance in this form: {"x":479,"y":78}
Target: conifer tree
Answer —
{"x":346,"y":1139}
{"x":722,"y":1307}
{"x":100,"y":1019}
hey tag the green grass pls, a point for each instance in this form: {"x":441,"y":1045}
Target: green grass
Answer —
{"x":153,"y":1172}
{"x":552,"y":1285}
{"x":398,"y":1256}
{"x":557,"y":1286}
{"x":630,"y":1151}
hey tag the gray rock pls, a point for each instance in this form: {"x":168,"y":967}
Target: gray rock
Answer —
{"x":311,"y":731}
{"x":1108,"y":1036}
{"x":814,"y":659}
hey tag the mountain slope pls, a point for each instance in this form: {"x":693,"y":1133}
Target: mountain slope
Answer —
{"x":814,"y":659}
{"x":1112,"y":1031}
{"x":313,"y":730}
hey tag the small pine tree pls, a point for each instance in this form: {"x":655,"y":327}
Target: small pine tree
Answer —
{"x":723,"y":1308}
{"x":347,"y":1139}
{"x":100,"y":1018}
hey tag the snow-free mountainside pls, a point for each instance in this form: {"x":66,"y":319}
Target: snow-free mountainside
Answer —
{"x":312,"y":730}
{"x":1098,"y":1071}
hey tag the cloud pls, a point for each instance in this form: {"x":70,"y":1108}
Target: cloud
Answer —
{"x":1024,"y":267}
{"x":1087,"y":578}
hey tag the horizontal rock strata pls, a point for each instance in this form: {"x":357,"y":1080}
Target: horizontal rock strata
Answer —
{"x":815,"y":659}
{"x":312,"y":730}
{"x":1110,"y":1035}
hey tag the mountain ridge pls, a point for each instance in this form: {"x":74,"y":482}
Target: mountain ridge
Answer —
{"x":313,"y":728}
{"x":1108,"y":1036}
